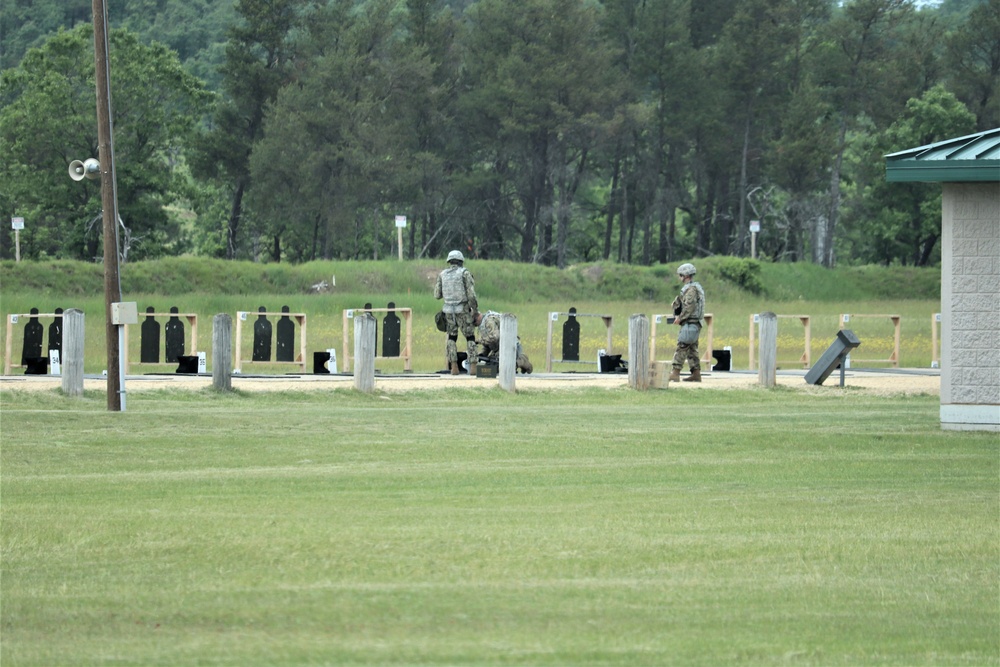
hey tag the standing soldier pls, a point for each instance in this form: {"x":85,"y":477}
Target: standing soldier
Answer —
{"x":689,"y":309}
{"x":458,"y":289}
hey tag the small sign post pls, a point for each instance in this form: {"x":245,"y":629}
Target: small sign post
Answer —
{"x":754,"y":229}
{"x":17,"y":224}
{"x":400,"y":224}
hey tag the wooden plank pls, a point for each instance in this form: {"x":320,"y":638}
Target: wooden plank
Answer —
{"x":767,"y":375}
{"x":73,"y":351}
{"x":638,"y":352}
{"x":508,"y":351}
{"x":364,"y":352}
{"x":222,"y":350}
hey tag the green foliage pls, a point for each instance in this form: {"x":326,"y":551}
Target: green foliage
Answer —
{"x":194,"y":29}
{"x":542,"y":86}
{"x":50,"y":120}
{"x":973,"y":62}
{"x":901,"y":222}
{"x":350,"y":139}
{"x":545,"y":131}
{"x":258,"y":62}
{"x":744,"y":273}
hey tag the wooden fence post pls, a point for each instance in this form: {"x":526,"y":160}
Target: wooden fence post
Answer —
{"x":222,"y":352}
{"x":768,"y":351}
{"x":508,"y":351}
{"x":72,"y":352}
{"x":638,"y":352}
{"x":364,"y":351}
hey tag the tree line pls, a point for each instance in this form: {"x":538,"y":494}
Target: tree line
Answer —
{"x":546,"y":131}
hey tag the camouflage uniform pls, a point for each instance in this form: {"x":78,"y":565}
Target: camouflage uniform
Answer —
{"x":489,"y":336}
{"x":489,"y":333}
{"x":690,"y":308}
{"x":458,"y":289}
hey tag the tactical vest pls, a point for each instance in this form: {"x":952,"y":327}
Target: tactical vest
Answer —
{"x":453,"y":289}
{"x":699,"y":309}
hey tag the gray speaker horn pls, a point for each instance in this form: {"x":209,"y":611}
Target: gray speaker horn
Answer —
{"x":89,"y":168}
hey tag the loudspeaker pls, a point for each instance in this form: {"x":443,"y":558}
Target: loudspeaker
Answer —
{"x":89,"y":168}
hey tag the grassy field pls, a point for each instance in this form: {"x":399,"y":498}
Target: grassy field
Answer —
{"x":582,"y":527}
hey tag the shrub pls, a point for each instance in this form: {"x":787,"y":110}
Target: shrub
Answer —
{"x":744,"y":273}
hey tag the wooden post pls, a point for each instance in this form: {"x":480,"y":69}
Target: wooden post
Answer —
{"x":548,"y":343}
{"x":9,"y":346}
{"x":508,"y":351}
{"x":222,"y":352}
{"x":408,"y":345}
{"x":638,"y":352}
{"x":72,"y":352}
{"x":301,"y":321}
{"x":935,"y":350}
{"x":895,"y":341}
{"x":364,"y":351}
{"x":768,"y":349}
{"x":109,"y":199}
{"x":807,"y":353}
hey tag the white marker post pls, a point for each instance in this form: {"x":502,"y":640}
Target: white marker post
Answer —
{"x":754,"y":230}
{"x":17,"y":224}
{"x":400,"y":224}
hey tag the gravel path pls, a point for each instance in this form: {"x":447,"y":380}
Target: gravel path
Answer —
{"x":875,"y":381}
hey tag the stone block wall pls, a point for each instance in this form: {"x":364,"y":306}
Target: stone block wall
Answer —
{"x":970,"y":305}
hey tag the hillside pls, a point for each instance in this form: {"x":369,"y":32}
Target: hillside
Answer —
{"x":731,"y":279}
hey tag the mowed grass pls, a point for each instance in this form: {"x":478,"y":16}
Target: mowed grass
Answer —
{"x":476,"y":527}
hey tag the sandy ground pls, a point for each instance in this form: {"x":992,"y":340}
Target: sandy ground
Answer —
{"x":875,"y":381}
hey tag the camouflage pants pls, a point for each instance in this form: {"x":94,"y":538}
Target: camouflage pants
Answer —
{"x":689,"y":353}
{"x":460,"y":322}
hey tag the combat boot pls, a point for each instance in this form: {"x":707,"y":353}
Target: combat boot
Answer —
{"x":675,"y":375}
{"x":454,"y":368}
{"x":473,"y":364}
{"x":524,"y":364}
{"x":694,"y":377}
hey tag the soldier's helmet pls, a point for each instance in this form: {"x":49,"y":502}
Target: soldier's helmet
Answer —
{"x":455,"y":256}
{"x":686,"y":270}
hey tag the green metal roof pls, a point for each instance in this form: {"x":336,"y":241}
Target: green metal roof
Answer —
{"x":973,"y":158}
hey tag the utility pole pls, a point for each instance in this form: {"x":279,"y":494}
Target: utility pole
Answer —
{"x":109,"y":199}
